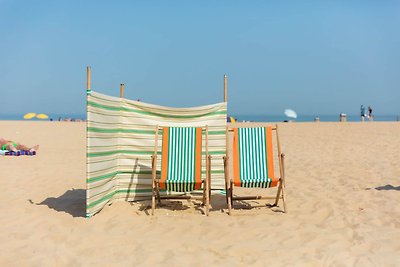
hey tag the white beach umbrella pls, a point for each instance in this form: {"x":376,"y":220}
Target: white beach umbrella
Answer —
{"x":291,"y":113}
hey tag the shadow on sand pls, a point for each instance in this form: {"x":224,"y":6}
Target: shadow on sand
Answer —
{"x":388,"y":187}
{"x":72,"y":202}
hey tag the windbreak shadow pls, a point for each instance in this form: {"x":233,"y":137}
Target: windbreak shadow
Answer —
{"x":142,"y":173}
{"x":388,"y":187}
{"x":72,"y":202}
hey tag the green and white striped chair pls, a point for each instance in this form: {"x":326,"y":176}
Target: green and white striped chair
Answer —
{"x":181,"y":164}
{"x":253,"y":163}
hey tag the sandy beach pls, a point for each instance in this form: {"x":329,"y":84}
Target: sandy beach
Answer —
{"x":343,"y":192}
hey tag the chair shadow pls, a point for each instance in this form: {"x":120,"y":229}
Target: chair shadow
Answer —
{"x":254,"y":204}
{"x":387,"y":187}
{"x":171,"y":205}
{"x":217,"y":203}
{"x":72,"y":202}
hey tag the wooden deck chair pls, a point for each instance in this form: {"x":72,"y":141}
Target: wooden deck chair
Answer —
{"x":253,"y":163}
{"x":181,"y":164}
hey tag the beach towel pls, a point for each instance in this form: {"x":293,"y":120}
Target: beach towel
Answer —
{"x":18,"y":153}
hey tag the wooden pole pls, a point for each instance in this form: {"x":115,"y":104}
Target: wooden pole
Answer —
{"x":87,"y":124}
{"x":225,"y":87}
{"x":88,"y":78}
{"x":121,"y":90}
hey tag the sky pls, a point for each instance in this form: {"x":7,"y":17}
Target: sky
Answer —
{"x":316,"y":57}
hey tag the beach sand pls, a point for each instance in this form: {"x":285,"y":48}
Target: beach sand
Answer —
{"x":343,"y":195}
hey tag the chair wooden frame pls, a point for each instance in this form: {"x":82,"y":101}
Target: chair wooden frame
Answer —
{"x":206,"y":183}
{"x":229,"y":185}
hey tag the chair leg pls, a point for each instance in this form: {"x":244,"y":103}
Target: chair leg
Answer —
{"x":209,"y":189}
{"x":283,"y":199}
{"x":280,"y":194}
{"x":229,"y":197}
{"x":153,"y":200}
{"x":281,"y":188}
{"x":207,"y":195}
{"x":232,"y":186}
{"x":204,"y":193}
{"x":158,"y":194}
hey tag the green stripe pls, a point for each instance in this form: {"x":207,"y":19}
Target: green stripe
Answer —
{"x":221,"y":152}
{"x":115,"y":152}
{"x":159,"y":108}
{"x":97,"y":105}
{"x":122,"y":130}
{"x":217,"y":133}
{"x":104,"y":176}
{"x":112,"y":174}
{"x":133,"y":125}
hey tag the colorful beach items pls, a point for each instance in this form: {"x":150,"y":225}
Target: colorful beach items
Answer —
{"x":121,"y":139}
{"x":253,"y":163}
{"x":29,"y":116}
{"x":181,"y":163}
{"x":17,"y":153}
{"x":231,"y":119}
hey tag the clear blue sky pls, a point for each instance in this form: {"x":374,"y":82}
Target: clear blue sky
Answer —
{"x":317,"y":57}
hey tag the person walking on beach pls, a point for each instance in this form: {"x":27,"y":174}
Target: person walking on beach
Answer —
{"x":362,"y":112}
{"x":370,"y":113}
{"x":14,"y":146}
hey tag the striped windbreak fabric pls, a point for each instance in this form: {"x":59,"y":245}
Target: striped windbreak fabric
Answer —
{"x":181,"y":159}
{"x":121,"y":140}
{"x":253,"y":157}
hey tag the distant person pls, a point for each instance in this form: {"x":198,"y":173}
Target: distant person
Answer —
{"x":370,"y":113}
{"x":14,"y":146}
{"x":362,"y":109}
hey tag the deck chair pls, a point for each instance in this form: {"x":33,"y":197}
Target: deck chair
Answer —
{"x":253,"y":163}
{"x":181,"y":162}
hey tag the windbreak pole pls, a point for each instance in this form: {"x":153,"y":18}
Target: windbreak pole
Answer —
{"x":225,"y":88}
{"x":88,"y":78}
{"x":121,"y":90}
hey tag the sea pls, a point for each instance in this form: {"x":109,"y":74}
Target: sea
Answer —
{"x":311,"y":118}
{"x":54,"y":117}
{"x":238,"y":117}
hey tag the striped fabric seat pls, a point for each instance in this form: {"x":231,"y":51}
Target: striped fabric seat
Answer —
{"x":181,"y":159}
{"x":253,"y":164}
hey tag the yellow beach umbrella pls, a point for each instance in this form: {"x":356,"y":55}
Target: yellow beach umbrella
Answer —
{"x":42,"y":116}
{"x":29,"y":116}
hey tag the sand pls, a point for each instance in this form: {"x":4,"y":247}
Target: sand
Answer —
{"x":343,"y":195}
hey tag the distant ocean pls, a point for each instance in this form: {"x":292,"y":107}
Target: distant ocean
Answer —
{"x":255,"y":118}
{"x":54,"y":117}
{"x":310,"y":118}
